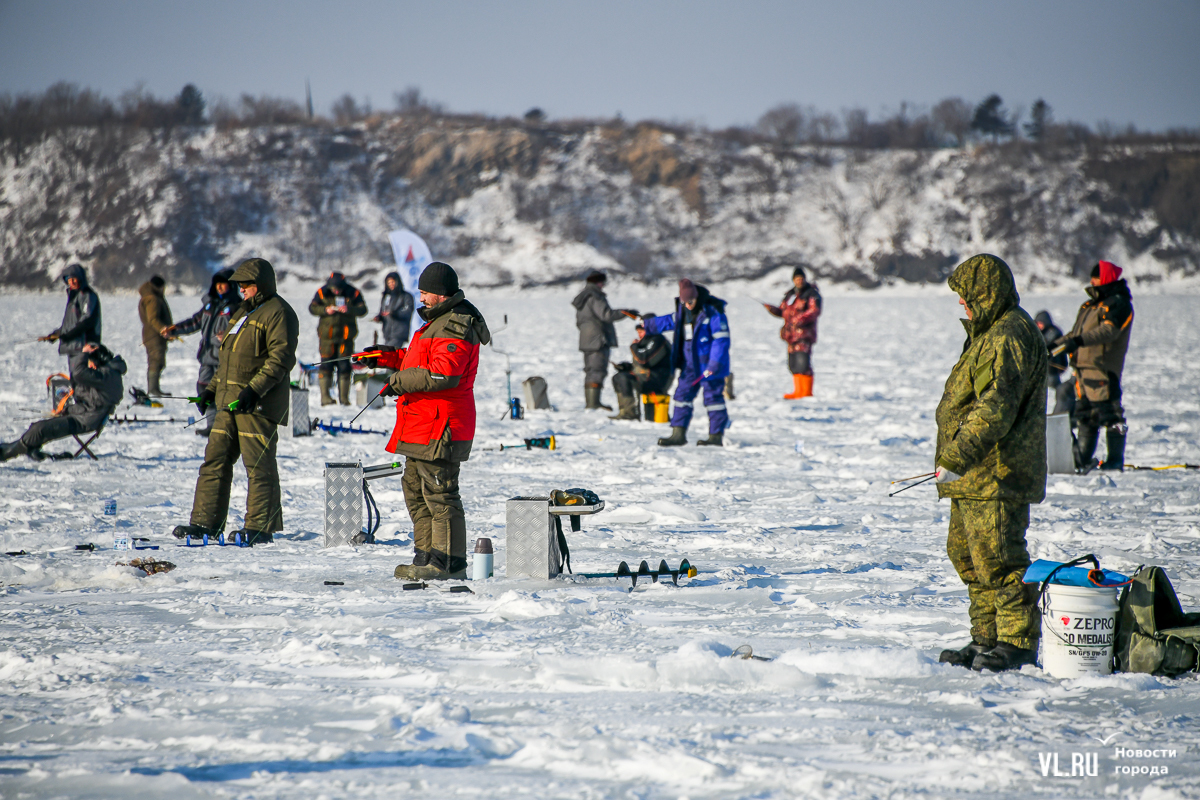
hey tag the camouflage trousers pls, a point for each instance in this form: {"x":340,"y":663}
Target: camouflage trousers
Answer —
{"x":253,"y":439}
{"x":436,"y":509}
{"x":986,"y":544}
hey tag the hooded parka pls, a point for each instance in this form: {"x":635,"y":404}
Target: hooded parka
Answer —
{"x":212,"y":320}
{"x":595,"y":317}
{"x":154,"y":312}
{"x":259,"y":349}
{"x":395,"y":312}
{"x":992,"y":416}
{"x":81,"y":319}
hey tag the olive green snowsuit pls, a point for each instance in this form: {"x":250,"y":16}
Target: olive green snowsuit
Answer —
{"x":992,"y":431}
{"x":258,"y":351}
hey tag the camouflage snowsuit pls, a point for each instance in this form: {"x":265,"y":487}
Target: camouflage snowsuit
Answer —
{"x":992,"y":431}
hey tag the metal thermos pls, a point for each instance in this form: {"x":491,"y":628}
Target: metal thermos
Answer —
{"x":481,"y":568}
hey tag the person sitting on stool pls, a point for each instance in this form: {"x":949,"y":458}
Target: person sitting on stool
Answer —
{"x":649,"y":373}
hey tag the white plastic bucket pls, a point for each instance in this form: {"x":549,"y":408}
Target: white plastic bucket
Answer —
{"x":1079,"y":626}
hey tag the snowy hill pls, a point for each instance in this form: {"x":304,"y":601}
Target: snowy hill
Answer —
{"x":529,"y":204}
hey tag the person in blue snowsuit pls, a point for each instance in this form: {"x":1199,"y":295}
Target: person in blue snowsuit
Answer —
{"x":700,"y":350}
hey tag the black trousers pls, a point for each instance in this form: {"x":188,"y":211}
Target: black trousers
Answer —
{"x":47,"y":430}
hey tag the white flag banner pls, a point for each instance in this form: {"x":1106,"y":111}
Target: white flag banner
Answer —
{"x":412,"y":257}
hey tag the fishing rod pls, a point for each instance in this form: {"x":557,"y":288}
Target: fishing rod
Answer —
{"x":1159,"y":469}
{"x":911,"y":485}
{"x":914,"y":477}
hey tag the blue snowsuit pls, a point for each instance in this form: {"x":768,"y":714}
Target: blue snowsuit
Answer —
{"x":698,"y":347}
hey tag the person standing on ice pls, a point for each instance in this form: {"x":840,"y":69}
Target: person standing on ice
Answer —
{"x":700,"y":350}
{"x":96,"y":388}
{"x":991,"y":463}
{"x":395,"y":311}
{"x":799,"y":308}
{"x":338,"y":304}
{"x":597,"y":335}
{"x":211,"y":321}
{"x":435,"y":420}
{"x":1097,"y":344}
{"x":1064,"y":391}
{"x":155,"y":315}
{"x":252,"y":395}
{"x":81,"y":319}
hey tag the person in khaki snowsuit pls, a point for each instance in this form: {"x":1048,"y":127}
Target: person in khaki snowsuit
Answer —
{"x":597,"y":335}
{"x":339,"y":305}
{"x":991,"y":463}
{"x":156,"y":316}
{"x":1097,"y":343}
{"x":252,"y":395}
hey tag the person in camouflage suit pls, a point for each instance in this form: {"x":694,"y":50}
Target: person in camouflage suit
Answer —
{"x":253,"y":397}
{"x":991,"y":463}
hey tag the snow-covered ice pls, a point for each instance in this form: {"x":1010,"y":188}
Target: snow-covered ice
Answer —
{"x":240,"y":674}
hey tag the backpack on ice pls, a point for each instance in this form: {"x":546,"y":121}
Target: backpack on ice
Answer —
{"x":1154,"y":635}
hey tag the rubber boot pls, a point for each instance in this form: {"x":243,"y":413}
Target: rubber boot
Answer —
{"x":591,"y":394}
{"x":344,"y":388}
{"x":714,"y":439}
{"x":802,"y":387}
{"x":152,"y":383}
{"x":678,"y":436}
{"x":325,"y":382}
{"x":966,"y":656}
{"x":1085,"y":447}
{"x":628,"y":407}
{"x":1114,"y":439}
{"x":1004,"y":657}
{"x":12,"y":450}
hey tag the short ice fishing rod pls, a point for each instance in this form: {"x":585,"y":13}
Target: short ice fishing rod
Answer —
{"x":929,"y":477}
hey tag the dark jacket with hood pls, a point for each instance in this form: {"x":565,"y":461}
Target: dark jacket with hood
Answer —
{"x":154,"y":313}
{"x":340,"y":326}
{"x":96,"y":392}
{"x":395,"y":312}
{"x":595,"y":317}
{"x":259,"y":349}
{"x":81,"y":320}
{"x":651,"y":365}
{"x":1103,"y":326}
{"x":992,"y":417}
{"x":707,"y":347}
{"x":435,"y":378}
{"x":212,"y":320}
{"x":1051,"y":334}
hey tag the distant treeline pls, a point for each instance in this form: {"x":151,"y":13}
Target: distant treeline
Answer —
{"x":953,"y":122}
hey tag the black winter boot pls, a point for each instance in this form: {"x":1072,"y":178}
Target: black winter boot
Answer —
{"x":628,"y":407}
{"x":715,"y":439}
{"x":965,"y":656}
{"x":12,"y":450}
{"x":1114,"y":459}
{"x":678,"y":436}
{"x":1085,"y":445}
{"x":251,"y":537}
{"x":197,"y":531}
{"x":1003,"y":657}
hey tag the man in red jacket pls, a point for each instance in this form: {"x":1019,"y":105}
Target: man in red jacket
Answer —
{"x":435,"y":420}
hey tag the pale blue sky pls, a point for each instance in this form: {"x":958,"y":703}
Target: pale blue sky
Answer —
{"x":708,"y":62}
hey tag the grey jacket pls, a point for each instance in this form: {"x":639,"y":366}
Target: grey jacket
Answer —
{"x":595,"y":317}
{"x":81,"y":319}
{"x":96,"y":391}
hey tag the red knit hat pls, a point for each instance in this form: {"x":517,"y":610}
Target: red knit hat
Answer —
{"x":687,"y":291}
{"x":1109,"y":272}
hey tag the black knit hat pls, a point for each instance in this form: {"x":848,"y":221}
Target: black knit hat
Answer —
{"x":596,"y":276}
{"x":439,"y":278}
{"x":798,"y":272}
{"x":158,"y":281}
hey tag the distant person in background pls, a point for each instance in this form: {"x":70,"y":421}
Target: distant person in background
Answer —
{"x":594,"y":318}
{"x":700,"y":351}
{"x":395,"y":312}
{"x":1097,"y":344}
{"x":211,"y":321}
{"x":96,"y":388}
{"x":1064,"y":391}
{"x":338,"y":304}
{"x":81,"y":319}
{"x":799,"y":308}
{"x":649,"y":372}
{"x":155,"y":315}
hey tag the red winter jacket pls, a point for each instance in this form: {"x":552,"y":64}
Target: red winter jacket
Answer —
{"x":799,"y":311}
{"x":435,"y":415}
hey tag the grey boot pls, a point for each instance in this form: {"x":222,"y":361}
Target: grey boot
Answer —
{"x":344,"y":388}
{"x":678,"y":436}
{"x":325,"y":382}
{"x":152,"y":383}
{"x":1114,"y":437}
{"x":628,"y":407}
{"x":591,"y":395}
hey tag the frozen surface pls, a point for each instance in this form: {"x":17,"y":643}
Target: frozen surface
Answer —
{"x":241,"y":674}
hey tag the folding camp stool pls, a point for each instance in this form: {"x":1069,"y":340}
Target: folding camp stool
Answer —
{"x":84,"y":447}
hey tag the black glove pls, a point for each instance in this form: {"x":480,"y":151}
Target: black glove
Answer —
{"x":207,"y":398}
{"x":631,"y":313}
{"x":389,"y":390}
{"x":1071,"y":343}
{"x":368,"y":361}
{"x":247,"y":400}
{"x":648,"y":317}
